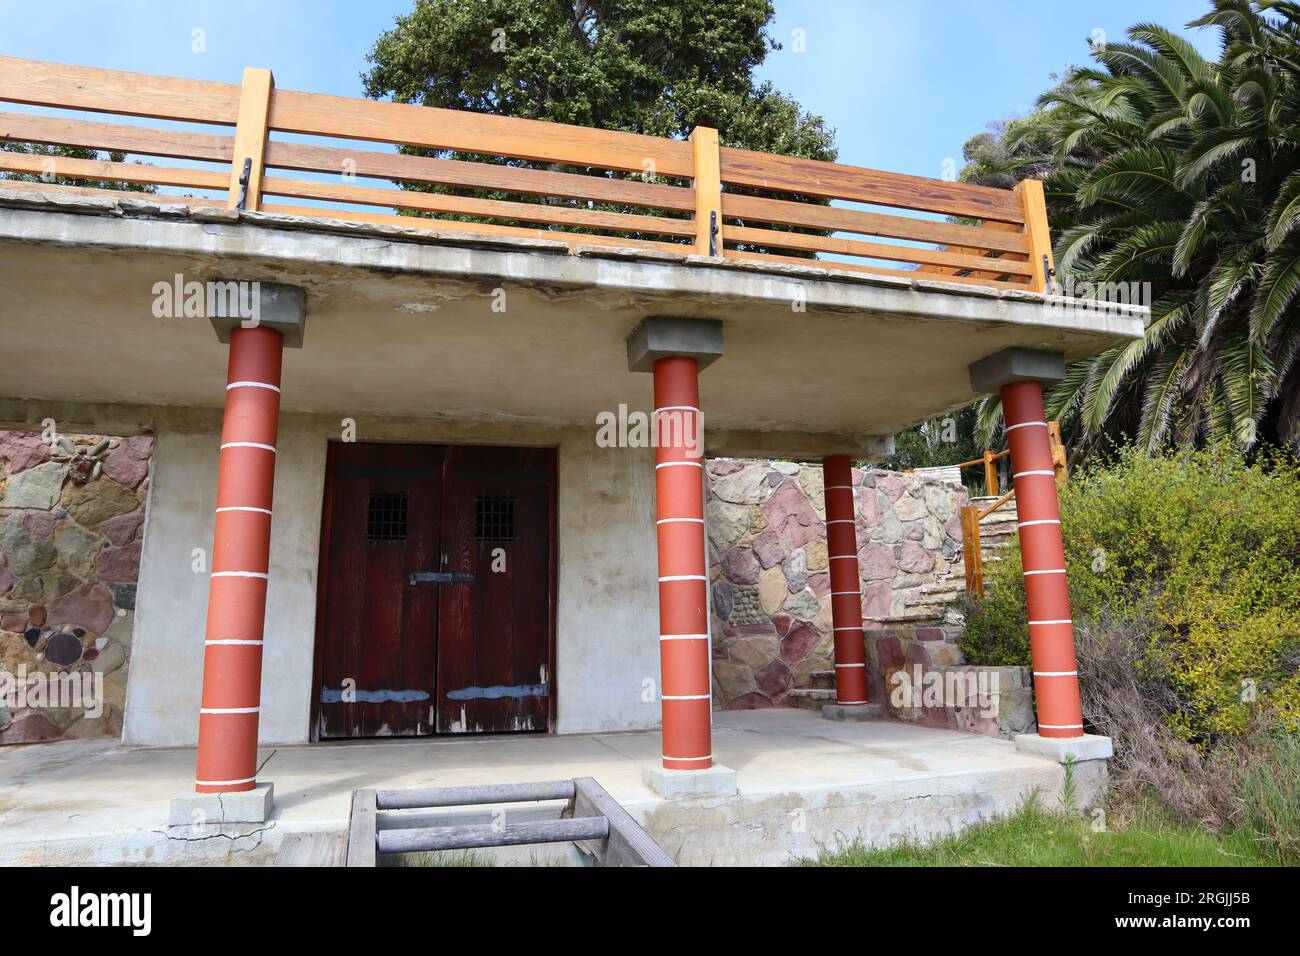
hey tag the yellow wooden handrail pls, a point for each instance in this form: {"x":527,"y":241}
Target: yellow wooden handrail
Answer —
{"x":971,"y":515}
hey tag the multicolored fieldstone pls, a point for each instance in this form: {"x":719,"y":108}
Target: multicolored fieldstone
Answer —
{"x":70,"y":523}
{"x":769,"y":562}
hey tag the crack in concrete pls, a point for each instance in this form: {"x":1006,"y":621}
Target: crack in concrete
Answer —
{"x":219,"y":836}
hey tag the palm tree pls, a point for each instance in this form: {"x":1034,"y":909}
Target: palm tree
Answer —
{"x":1181,"y":175}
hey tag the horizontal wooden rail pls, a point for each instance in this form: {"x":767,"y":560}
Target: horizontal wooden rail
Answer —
{"x":451,"y":172}
{"x":809,"y":177}
{"x":427,"y":797}
{"x":62,"y":166}
{"x":434,"y":839}
{"x":114,"y":137}
{"x":985,"y":512}
{"x":571,"y":183}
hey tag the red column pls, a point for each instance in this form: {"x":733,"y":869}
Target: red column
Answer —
{"x":232,"y":655}
{"x":686,"y":695}
{"x":1051,"y":631}
{"x":846,"y":595}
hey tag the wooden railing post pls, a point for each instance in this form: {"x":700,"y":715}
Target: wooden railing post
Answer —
{"x":972,"y":553}
{"x":1059,"y":464}
{"x":1037,"y":232}
{"x":708,"y":191}
{"x":990,"y":474}
{"x":250,"y":140}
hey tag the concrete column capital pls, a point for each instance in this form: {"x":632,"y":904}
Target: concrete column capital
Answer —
{"x":237,"y":303}
{"x":670,"y":336}
{"x":1016,"y":365}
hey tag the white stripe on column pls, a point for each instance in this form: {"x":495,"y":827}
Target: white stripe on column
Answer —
{"x":1023,"y":474}
{"x":265,"y":511}
{"x":248,"y":444}
{"x":274,"y":388}
{"x":1012,"y":428}
{"x":223,"y":711}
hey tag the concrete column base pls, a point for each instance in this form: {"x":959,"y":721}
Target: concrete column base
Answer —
{"x":853,"y":711}
{"x":1088,"y":758}
{"x":717,"y":781}
{"x":215,"y":809}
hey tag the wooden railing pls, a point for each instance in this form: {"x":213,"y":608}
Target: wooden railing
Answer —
{"x":972,"y":515}
{"x":598,"y":187}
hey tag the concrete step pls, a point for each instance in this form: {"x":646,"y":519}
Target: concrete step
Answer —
{"x":822,"y":680}
{"x":810,"y":698}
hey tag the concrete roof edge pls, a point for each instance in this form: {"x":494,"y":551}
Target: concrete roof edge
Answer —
{"x":545,"y":262}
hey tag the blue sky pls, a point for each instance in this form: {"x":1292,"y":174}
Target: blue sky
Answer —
{"x":905,"y":82}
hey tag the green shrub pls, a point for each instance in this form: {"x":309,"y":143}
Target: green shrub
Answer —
{"x":1202,"y":548}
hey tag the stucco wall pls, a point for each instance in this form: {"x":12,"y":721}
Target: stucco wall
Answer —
{"x":607,"y":646}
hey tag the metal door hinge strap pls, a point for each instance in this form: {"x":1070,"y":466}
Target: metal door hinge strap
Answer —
{"x":442,"y":577}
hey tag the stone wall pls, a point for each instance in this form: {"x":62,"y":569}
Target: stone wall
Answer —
{"x":71,"y":525}
{"x":772,"y":631}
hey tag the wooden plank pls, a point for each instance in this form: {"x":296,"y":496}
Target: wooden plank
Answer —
{"x":809,"y":177}
{"x":423,"y":797}
{"x":467,"y":206}
{"x":1037,"y":231}
{"x":972,"y":556}
{"x":437,"y":128}
{"x":454,"y":172}
{"x":313,"y":849}
{"x":59,"y":189}
{"x":114,"y":137}
{"x":833,"y":219}
{"x":708,"y":192}
{"x":479,"y":228}
{"x":250,"y":139}
{"x":41,"y":83}
{"x":873,"y":250}
{"x":628,"y":843}
{"x":112,"y":172}
{"x":362,"y":825}
{"x":433,"y":839}
{"x":871,"y":270}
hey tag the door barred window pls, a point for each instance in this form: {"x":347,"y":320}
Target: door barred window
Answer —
{"x":494,"y":518}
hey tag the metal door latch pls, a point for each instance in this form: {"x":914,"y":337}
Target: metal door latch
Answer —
{"x":243,"y":183}
{"x":442,"y":577}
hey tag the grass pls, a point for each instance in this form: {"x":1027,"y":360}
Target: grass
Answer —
{"x":1035,"y":837}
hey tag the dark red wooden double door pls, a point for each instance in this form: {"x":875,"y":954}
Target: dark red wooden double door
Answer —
{"x":437,"y":584}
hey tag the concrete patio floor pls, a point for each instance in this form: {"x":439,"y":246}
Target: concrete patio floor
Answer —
{"x":803,"y":782}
